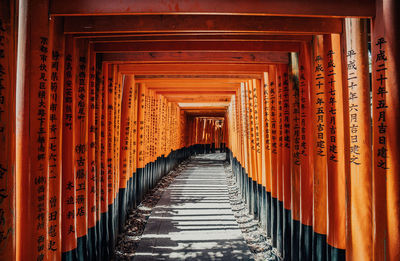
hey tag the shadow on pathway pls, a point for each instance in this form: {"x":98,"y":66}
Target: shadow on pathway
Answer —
{"x":193,"y":219}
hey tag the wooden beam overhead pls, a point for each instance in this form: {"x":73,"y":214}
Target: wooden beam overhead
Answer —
{"x":200,"y":23}
{"x":183,"y":93}
{"x":189,"y":82}
{"x":198,"y":99}
{"x":161,"y":90}
{"x":204,"y":106}
{"x":196,"y":84}
{"x":194,"y":37}
{"x":192,"y":68}
{"x":210,"y":46}
{"x":209,"y":108}
{"x":207,"y":111}
{"x":337,"y":8}
{"x":214,"y":57}
{"x":177,"y":86}
{"x":238,"y":77}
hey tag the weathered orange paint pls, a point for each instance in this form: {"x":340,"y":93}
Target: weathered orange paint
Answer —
{"x":267,"y":131}
{"x":274,"y":129}
{"x":295,"y":136}
{"x":93,"y":175}
{"x":385,"y":122}
{"x":32,"y":216}
{"x":69,"y":236}
{"x":286,"y":138}
{"x":109,"y":88}
{"x":8,"y":179}
{"x":318,"y":101}
{"x":141,"y":126}
{"x":80,"y":144}
{"x":104,"y":147}
{"x":336,"y":142}
{"x":307,"y":146}
{"x":126,"y":127}
{"x":281,"y":155}
{"x":56,"y":81}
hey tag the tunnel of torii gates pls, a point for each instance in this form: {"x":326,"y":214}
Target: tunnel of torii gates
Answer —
{"x":99,"y":99}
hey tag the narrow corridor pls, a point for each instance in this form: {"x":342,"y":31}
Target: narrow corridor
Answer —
{"x":194,"y":219}
{"x":101,"y":101}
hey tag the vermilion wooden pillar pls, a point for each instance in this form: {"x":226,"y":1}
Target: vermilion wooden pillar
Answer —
{"x":116,"y":141}
{"x":392,"y":32}
{"x":281,"y":156}
{"x":104,"y":176}
{"x":359,"y":177}
{"x":336,"y":144}
{"x":80,"y":144}
{"x":249,"y":150}
{"x":238,"y":115}
{"x":133,"y":142}
{"x":126,"y":148}
{"x":253,"y":89}
{"x":319,"y":123}
{"x":117,"y":138}
{"x":92,"y":167}
{"x":295,"y":160}
{"x":246,"y":147}
{"x":140,"y":139}
{"x":99,"y":123}
{"x":267,"y":151}
{"x":306,"y":150}
{"x":286,"y":163}
{"x":146,"y":135}
{"x":274,"y":151}
{"x":110,"y":134}
{"x":258,"y":125}
{"x":33,"y":129}
{"x":252,"y":145}
{"x":8,"y":59}
{"x":386,"y":123}
{"x":56,"y":82}
{"x":68,"y":175}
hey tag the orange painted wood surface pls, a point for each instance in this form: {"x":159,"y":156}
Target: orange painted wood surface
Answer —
{"x":318,"y":90}
{"x":69,"y":235}
{"x":337,"y":164}
{"x":307,"y":146}
{"x":306,"y":8}
{"x":56,"y":82}
{"x":8,"y":192}
{"x":295,"y":136}
{"x":385,"y":122}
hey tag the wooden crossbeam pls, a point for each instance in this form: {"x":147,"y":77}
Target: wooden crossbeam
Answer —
{"x":198,"y":99}
{"x":183,"y":93}
{"x":194,"y":68}
{"x":338,"y":8}
{"x":204,"y":80}
{"x":194,"y":37}
{"x":213,"y":57}
{"x":200,"y":23}
{"x":197,"y":84}
{"x":167,"y":46}
{"x":227,"y":77}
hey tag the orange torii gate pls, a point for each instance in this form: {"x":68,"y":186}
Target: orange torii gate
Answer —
{"x":92,"y":114}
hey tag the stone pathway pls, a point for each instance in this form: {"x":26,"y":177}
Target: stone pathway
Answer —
{"x":193,"y":219}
